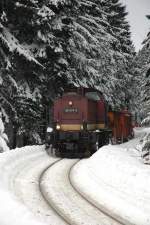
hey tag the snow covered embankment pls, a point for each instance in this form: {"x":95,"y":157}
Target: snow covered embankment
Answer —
{"x":117,"y":182}
{"x":11,"y":210}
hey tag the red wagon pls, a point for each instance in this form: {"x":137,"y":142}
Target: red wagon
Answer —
{"x":121,"y":125}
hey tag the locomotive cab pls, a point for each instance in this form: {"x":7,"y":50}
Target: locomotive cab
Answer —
{"x":79,"y":123}
{"x":82,"y":124}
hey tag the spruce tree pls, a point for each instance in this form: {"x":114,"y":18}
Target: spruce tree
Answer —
{"x":100,"y":55}
{"x":122,"y":48}
{"x":143,"y":65}
{"x":35,"y":36}
{"x":143,"y":68}
{"x":16,"y":59}
{"x":50,"y":44}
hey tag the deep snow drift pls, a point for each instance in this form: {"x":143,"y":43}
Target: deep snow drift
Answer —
{"x":116,"y":180}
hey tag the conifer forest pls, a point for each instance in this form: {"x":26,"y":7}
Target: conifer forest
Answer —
{"x":48,"y":45}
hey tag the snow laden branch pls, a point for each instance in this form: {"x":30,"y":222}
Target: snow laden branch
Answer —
{"x":3,"y":137}
{"x":13,"y":45}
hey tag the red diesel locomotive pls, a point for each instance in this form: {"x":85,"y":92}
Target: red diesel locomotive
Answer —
{"x":82,"y":124}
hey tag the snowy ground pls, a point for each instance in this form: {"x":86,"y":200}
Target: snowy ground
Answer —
{"x":66,"y":201}
{"x":114,"y":180}
{"x":20,"y":171}
{"x":12,"y":210}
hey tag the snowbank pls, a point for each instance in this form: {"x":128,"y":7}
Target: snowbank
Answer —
{"x":141,"y":131}
{"x":117,"y":182}
{"x":11,"y":210}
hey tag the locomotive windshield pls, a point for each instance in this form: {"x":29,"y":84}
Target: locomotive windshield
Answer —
{"x":70,"y":93}
{"x":93,"y":95}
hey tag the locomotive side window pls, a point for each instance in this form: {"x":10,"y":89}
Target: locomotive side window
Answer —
{"x":93,"y":95}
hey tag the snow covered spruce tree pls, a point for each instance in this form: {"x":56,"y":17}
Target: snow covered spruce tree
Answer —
{"x":144,"y":58}
{"x":7,"y":81}
{"x":142,"y":72}
{"x":87,"y":44}
{"x":101,"y":49}
{"x":3,"y":137}
{"x":16,"y":60}
{"x":8,"y":84}
{"x":99,"y":54}
{"x":122,"y":51}
{"x":54,"y":43}
{"x":36,"y":34}
{"x":143,"y":64}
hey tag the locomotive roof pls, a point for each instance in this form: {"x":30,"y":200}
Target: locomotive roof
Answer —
{"x":81,"y":90}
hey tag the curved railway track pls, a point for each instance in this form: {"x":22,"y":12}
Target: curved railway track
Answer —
{"x":91,"y":203}
{"x":66,"y":201}
{"x":43,"y":193}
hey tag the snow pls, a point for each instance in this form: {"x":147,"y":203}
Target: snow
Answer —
{"x":116,"y":181}
{"x":66,"y":201}
{"x":144,"y":147}
{"x":146,"y":121}
{"x":3,"y":137}
{"x":3,"y":145}
{"x":46,"y":12}
{"x":11,"y":210}
{"x":56,"y":2}
{"x":20,"y":170}
{"x":25,"y":91}
{"x":13,"y":45}
{"x":1,"y":126}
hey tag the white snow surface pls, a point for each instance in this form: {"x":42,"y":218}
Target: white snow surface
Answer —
{"x":116,"y":181}
{"x":3,"y":137}
{"x":66,"y":201}
{"x":12,"y":210}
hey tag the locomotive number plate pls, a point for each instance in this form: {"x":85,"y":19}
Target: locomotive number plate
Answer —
{"x":70,"y":110}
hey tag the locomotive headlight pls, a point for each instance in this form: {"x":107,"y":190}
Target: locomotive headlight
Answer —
{"x":84,"y":126}
{"x":70,"y":103}
{"x":81,"y":127}
{"x":57,"y":127}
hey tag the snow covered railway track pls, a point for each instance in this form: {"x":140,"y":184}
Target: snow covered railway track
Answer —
{"x":110,"y":218}
{"x":44,"y":194}
{"x":57,"y":189}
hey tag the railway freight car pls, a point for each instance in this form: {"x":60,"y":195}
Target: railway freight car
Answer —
{"x":121,"y":125}
{"x":81,"y":123}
